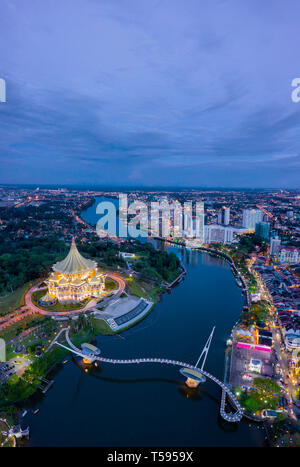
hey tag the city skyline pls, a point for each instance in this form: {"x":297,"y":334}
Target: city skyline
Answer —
{"x":159,"y":94}
{"x":149,"y":226}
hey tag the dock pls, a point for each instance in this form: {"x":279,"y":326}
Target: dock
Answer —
{"x":46,"y":386}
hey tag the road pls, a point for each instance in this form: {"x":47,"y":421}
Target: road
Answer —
{"x":30,"y":308}
{"x":289,"y":389}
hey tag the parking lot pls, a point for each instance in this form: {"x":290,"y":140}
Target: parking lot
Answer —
{"x":14,"y":366}
{"x":240,"y":375}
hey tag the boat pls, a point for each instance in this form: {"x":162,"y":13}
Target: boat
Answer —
{"x":24,"y":413}
{"x":36,"y":411}
{"x":66,"y":361}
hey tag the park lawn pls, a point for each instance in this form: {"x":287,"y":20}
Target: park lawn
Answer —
{"x":59,"y":307}
{"x":84,"y":335}
{"x":155,"y":293}
{"x":17,"y":328}
{"x":15,"y":299}
{"x":110,"y":284}
{"x":144,"y":289}
{"x":101,"y":327}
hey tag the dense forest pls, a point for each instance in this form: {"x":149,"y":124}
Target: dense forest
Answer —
{"x":27,"y":259}
{"x":24,"y":260}
{"x":156,"y":265}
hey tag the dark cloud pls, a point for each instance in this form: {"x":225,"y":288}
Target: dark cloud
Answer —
{"x":150,"y":92}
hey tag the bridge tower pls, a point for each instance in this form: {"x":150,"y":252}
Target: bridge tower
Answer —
{"x":195,"y":377}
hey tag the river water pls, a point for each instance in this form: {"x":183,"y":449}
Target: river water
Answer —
{"x":149,"y":405}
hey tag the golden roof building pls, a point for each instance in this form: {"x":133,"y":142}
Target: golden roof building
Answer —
{"x":74,"y":279}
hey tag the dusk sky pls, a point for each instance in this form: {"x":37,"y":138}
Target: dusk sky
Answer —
{"x":150,"y":92}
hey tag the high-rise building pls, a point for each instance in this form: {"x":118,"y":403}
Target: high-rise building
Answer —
{"x":274,"y":245}
{"x":224,"y":216}
{"x":218,"y":234}
{"x":252,"y":217}
{"x":193,"y":226}
{"x":262,"y":230}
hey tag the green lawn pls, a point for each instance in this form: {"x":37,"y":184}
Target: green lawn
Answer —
{"x":14,"y":300}
{"x":38,"y":294}
{"x":110,"y":284}
{"x":101,"y":327}
{"x":20,"y":326}
{"x":143,"y":289}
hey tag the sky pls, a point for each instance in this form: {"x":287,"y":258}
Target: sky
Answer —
{"x":150,"y":92}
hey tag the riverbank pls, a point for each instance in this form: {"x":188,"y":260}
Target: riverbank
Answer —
{"x":21,"y":389}
{"x":173,"y":330}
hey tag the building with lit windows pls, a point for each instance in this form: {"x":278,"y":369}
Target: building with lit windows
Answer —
{"x":262,"y":230}
{"x":288,"y":254}
{"x":214,"y":233}
{"x":224,"y":216}
{"x":274,"y":245}
{"x":73,"y":280}
{"x":292,"y":339}
{"x":251,"y":217}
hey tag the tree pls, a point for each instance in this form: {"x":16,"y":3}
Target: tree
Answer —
{"x":266,"y":387}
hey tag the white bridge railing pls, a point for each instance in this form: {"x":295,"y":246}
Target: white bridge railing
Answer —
{"x":230,"y":417}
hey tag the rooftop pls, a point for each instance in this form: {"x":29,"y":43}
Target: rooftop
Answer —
{"x":74,"y":263}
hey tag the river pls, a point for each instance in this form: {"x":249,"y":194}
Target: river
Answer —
{"x":149,"y":405}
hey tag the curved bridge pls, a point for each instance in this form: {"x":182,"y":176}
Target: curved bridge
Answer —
{"x":230,"y":417}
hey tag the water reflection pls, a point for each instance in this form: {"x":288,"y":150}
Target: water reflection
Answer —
{"x":176,"y":328}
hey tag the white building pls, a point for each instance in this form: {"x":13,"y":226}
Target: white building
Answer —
{"x":274,"y":245}
{"x":288,"y":254}
{"x":125,"y":254}
{"x":251,"y":217}
{"x":255,"y":365}
{"x":292,"y":339}
{"x":218,"y":234}
{"x":193,"y":227}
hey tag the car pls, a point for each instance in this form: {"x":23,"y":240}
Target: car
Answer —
{"x":281,"y":403}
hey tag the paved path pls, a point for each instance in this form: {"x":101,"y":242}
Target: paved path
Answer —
{"x":30,"y":308}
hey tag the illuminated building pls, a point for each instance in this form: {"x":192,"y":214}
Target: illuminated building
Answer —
{"x":74,"y":279}
{"x":255,"y":365}
{"x":274,"y":245}
{"x":288,"y":254}
{"x":262,"y":230}
{"x":224,"y":216}
{"x":292,"y":339}
{"x":214,"y":233}
{"x":251,"y":217}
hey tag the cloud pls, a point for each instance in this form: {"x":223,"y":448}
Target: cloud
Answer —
{"x":156,"y":92}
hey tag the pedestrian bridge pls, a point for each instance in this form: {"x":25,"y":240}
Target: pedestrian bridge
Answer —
{"x":228,"y":416}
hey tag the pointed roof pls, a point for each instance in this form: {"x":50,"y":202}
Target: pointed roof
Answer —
{"x":74,"y":263}
{"x":47,"y":298}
